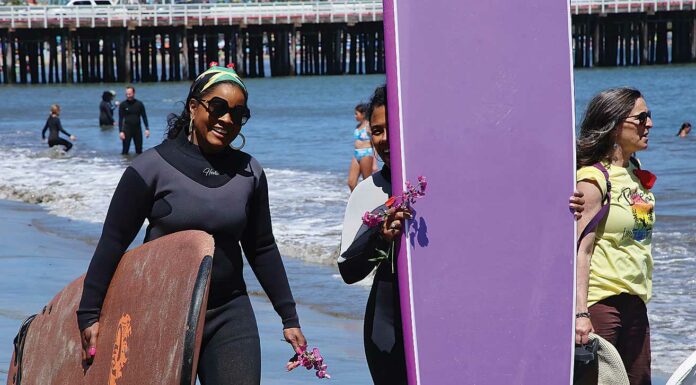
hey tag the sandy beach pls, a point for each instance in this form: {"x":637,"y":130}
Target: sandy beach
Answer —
{"x":37,"y":263}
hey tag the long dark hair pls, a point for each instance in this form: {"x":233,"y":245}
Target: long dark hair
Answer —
{"x":684,"y":126}
{"x":177,"y":123}
{"x":605,"y":112}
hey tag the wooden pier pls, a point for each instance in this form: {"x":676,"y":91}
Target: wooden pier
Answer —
{"x":151,"y":43}
{"x":630,"y":33}
{"x":173,"y":42}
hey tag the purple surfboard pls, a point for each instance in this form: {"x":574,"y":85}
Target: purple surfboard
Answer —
{"x":481,"y":96}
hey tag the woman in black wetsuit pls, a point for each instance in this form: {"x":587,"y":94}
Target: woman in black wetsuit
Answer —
{"x":54,"y":128}
{"x":383,"y":338}
{"x":196,"y":180}
{"x":106,"y":110}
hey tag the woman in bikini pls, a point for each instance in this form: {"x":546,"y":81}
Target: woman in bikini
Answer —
{"x":363,"y":161}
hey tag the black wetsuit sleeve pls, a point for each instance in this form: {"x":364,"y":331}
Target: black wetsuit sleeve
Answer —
{"x":60,"y":127}
{"x":121,"y":115}
{"x":130,"y":205}
{"x":355,"y":264}
{"x":264,"y":258}
{"x":43,"y":132}
{"x":144,"y":115}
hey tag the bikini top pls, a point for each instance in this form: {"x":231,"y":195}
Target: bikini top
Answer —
{"x":361,"y":134}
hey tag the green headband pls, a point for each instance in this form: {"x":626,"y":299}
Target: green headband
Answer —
{"x":216,"y":74}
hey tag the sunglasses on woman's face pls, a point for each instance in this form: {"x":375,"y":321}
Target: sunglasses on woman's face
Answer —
{"x":217,"y":108}
{"x":642,"y":117}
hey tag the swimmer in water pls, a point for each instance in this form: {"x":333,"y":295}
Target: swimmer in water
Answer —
{"x":684,"y":130}
{"x":106,"y":110}
{"x":54,"y":128}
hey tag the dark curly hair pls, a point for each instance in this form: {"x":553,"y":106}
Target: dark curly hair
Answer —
{"x":604,"y":114}
{"x":177,"y":123}
{"x":378,"y":99}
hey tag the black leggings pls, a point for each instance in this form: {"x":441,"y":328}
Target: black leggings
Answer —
{"x":230,"y":350}
{"x":137,"y":135}
{"x":60,"y":141}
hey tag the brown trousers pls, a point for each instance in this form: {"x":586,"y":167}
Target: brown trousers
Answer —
{"x":623,"y":321}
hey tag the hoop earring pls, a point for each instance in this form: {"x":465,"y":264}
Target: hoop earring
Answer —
{"x":190,"y":133}
{"x":243,"y":143}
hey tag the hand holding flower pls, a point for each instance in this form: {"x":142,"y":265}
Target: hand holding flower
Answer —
{"x":391,"y":221}
{"x":294,"y":337}
{"x":394,"y":223}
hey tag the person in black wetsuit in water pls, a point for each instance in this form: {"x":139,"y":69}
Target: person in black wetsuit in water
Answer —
{"x":196,"y":180}
{"x":383,"y":338}
{"x":54,"y":128}
{"x":130,"y":112}
{"x":106,"y":110}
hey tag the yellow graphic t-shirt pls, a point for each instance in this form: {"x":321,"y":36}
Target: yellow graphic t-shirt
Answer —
{"x":622,"y":260}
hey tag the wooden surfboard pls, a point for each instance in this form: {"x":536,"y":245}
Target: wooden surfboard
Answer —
{"x":150,"y":327}
{"x":480,"y":102}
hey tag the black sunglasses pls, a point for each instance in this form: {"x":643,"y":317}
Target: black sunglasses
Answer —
{"x":642,"y":117}
{"x":217,"y":108}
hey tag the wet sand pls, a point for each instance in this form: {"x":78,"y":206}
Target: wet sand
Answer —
{"x":35,"y":264}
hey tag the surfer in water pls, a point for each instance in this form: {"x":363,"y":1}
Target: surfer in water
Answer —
{"x":614,"y":260}
{"x":130,"y":112}
{"x":363,"y":162}
{"x":106,"y":110}
{"x":54,"y":128}
{"x":684,"y":130}
{"x":197,"y":180}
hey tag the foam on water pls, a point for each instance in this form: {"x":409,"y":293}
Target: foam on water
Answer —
{"x":674,"y":288}
{"x":307,"y":208}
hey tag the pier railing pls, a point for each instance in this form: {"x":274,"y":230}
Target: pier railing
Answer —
{"x":585,"y":7}
{"x":294,"y":12}
{"x":325,"y":11}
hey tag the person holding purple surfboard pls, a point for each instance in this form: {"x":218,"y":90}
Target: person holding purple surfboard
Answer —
{"x":383,"y":335}
{"x":197,"y":180}
{"x":614,"y":262}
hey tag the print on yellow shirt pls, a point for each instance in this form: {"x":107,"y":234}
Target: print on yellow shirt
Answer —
{"x":642,"y":207}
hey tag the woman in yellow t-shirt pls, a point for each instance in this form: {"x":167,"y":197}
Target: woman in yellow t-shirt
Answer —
{"x":614,"y":263}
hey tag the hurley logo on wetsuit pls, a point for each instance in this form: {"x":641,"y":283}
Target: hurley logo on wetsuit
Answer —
{"x":210,"y":171}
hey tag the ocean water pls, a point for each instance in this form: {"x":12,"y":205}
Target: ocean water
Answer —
{"x":301,"y":132}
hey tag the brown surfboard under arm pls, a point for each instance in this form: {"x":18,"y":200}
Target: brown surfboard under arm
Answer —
{"x":153,"y":341}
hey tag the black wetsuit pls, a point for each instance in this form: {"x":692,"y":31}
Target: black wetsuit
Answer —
{"x":129,"y":114}
{"x":383,"y":334}
{"x":106,"y":113}
{"x":176,"y":187}
{"x":54,"y":129}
